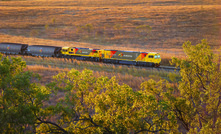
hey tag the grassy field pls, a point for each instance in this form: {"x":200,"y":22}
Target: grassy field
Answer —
{"x":137,"y":25}
{"x":133,"y":76}
{"x":160,"y":25}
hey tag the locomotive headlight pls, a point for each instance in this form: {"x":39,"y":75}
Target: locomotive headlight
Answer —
{"x":159,"y":56}
{"x":155,"y":56}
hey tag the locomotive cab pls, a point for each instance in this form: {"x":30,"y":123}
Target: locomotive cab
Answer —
{"x":65,"y":51}
{"x":153,"y":58}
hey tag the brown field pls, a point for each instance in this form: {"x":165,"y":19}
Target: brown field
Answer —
{"x":160,"y":25}
{"x":138,"y":25}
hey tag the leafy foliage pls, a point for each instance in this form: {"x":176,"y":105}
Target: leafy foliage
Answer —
{"x":101,"y":105}
{"x":200,"y":89}
{"x":21,"y":100}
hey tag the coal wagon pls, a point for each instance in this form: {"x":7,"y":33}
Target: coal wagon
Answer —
{"x":13,"y":48}
{"x":44,"y":51}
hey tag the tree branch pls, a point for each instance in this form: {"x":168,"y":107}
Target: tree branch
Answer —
{"x":49,"y":122}
{"x":197,"y":67}
{"x":180,"y":117}
{"x":99,"y":125}
{"x":200,"y":123}
{"x":147,"y":130}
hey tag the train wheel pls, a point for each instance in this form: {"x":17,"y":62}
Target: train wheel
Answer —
{"x":56,"y":55}
{"x":96,"y":59}
{"x":157,"y":65}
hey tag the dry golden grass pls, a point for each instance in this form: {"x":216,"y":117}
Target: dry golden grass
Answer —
{"x":46,"y":74}
{"x":114,"y":23}
{"x":105,"y":24}
{"x":48,"y":67}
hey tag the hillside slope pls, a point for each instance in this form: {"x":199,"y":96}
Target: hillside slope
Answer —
{"x":134,"y":24}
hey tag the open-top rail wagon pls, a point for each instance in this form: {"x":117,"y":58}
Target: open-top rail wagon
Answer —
{"x":13,"y":48}
{"x":45,"y":51}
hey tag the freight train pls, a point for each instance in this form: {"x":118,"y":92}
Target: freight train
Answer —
{"x":136,"y":58}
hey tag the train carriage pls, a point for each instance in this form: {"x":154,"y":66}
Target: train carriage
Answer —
{"x":13,"y":48}
{"x":45,"y":51}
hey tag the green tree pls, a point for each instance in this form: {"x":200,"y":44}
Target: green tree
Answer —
{"x":198,"y":105}
{"x":20,"y":100}
{"x":101,"y":105}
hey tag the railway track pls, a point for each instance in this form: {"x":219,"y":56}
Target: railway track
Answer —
{"x":165,"y":68}
{"x":169,"y":68}
{"x":72,"y":63}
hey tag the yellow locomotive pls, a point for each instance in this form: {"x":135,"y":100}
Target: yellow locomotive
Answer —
{"x":113,"y":56}
{"x":131,"y":58}
{"x":82,"y":53}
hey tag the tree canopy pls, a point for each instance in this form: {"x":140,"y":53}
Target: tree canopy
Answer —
{"x":200,"y":88}
{"x":21,"y":100}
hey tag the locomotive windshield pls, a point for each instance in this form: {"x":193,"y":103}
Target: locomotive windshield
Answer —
{"x":150,"y":56}
{"x":157,"y":56}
